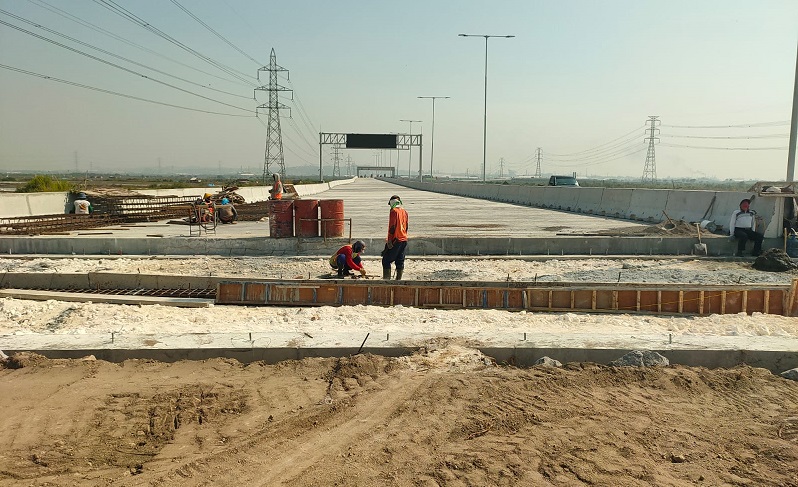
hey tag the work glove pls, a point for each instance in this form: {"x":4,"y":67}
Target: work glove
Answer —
{"x":363,"y":271}
{"x":389,"y":244}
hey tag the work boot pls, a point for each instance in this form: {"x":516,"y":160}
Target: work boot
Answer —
{"x":386,"y":273}
{"x":399,"y":274}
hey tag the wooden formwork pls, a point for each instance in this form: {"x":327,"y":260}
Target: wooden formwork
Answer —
{"x":596,"y":297}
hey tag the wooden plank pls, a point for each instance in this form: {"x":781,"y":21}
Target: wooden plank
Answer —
{"x":35,"y":295}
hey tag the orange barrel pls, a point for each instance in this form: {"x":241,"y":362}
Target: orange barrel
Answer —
{"x":281,"y":218}
{"x":332,"y":210}
{"x":306,"y":210}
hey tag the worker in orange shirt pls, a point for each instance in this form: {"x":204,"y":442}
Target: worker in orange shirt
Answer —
{"x":276,"y":193}
{"x":396,"y":243}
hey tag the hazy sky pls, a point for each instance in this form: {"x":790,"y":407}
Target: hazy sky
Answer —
{"x":579,"y":81}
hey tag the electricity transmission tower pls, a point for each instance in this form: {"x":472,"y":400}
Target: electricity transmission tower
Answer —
{"x":273,"y":160}
{"x":348,"y":165}
{"x":501,"y":167}
{"x":650,"y":171}
{"x":537,"y":170}
{"x":336,"y":153}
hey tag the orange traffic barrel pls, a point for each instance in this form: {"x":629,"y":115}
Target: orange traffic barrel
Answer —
{"x":332,"y":218}
{"x":306,"y":215}
{"x":281,"y":218}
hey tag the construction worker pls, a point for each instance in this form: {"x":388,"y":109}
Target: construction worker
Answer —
{"x":206,"y":212}
{"x":743,"y":227}
{"x":396,"y":243}
{"x":277,"y":188}
{"x":81,"y":205}
{"x":348,"y":258}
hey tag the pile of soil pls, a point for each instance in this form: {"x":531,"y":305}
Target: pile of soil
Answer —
{"x":774,"y":260}
{"x":671,"y":228}
{"x":446,"y":417}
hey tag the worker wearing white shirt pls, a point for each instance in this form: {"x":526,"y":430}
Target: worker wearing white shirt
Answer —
{"x":743,"y":227}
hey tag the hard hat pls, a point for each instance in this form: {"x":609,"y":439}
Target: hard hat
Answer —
{"x":81,"y":196}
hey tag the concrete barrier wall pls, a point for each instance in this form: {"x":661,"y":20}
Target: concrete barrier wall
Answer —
{"x":690,"y":205}
{"x":30,"y":204}
{"x":616,"y":202}
{"x":645,"y":205}
{"x":589,"y":200}
{"x":27,"y":204}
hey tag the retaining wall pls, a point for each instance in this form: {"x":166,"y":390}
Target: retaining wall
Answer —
{"x":645,"y":205}
{"x":32,"y":204}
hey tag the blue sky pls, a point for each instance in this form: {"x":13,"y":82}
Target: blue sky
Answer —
{"x":578,"y":75}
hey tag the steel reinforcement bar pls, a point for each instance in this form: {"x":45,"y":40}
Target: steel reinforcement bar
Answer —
{"x":579,"y":297}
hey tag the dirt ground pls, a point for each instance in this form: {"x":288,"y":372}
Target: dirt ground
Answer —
{"x":447,"y":416}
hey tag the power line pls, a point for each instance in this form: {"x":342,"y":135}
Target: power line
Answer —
{"x":220,"y":36}
{"x":747,"y":125}
{"x":299,"y":156}
{"x":600,"y":145}
{"x":764,"y":136}
{"x":108,"y":33}
{"x":115,"y":55}
{"x":118,"y":66}
{"x":313,"y":148}
{"x":600,"y":153}
{"x":602,"y":161}
{"x":722,"y":148}
{"x":101,"y":90}
{"x":126,"y":14}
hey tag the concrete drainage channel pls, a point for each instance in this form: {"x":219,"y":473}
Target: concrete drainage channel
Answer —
{"x":200,"y":291}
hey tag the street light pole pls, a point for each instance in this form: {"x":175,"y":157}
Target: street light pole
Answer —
{"x":409,"y":149}
{"x":485,"y":113}
{"x":432,"y":144}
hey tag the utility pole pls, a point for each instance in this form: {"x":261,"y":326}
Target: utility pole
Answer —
{"x":793,"y":127}
{"x":409,"y":149}
{"x":538,"y":154}
{"x":273,"y":159}
{"x":650,"y":170}
{"x":77,"y":169}
{"x":432,"y":149}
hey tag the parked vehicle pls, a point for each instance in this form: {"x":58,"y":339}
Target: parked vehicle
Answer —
{"x":563,"y":181}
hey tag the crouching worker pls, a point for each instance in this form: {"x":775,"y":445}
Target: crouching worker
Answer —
{"x":348,"y":259}
{"x":743,"y":228}
{"x":227,"y":212}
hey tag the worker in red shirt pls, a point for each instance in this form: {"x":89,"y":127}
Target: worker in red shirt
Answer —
{"x":348,"y":258}
{"x":396,"y":243}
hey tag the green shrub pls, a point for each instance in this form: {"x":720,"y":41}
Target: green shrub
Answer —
{"x":44,"y":184}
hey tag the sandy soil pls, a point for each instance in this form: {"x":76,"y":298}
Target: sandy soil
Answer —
{"x":445,"y":416}
{"x":441,"y":417}
{"x":688,"y":271}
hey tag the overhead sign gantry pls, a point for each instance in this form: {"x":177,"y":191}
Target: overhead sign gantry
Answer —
{"x":370,"y":141}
